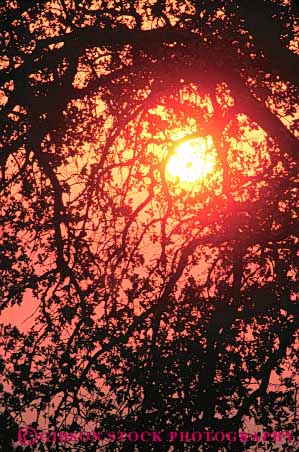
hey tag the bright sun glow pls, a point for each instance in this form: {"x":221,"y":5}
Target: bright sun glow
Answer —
{"x":192,"y":160}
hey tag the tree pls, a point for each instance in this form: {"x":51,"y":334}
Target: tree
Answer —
{"x":163,"y":305}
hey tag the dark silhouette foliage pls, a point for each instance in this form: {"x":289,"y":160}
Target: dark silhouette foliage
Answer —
{"x":160,"y":306}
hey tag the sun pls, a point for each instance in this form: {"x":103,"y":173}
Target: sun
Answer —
{"x":192,"y":161}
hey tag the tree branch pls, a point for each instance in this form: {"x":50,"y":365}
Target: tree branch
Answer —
{"x":266,"y":35}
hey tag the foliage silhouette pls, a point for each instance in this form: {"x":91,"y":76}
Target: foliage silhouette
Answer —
{"x":161,"y":307}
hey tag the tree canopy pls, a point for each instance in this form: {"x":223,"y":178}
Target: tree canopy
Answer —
{"x":163,"y":304}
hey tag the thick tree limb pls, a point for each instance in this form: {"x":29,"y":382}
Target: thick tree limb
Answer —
{"x":260,"y":114}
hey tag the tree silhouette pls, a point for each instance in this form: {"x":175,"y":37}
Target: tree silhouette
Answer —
{"x":162,"y":306}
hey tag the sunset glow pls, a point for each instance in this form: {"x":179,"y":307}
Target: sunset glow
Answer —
{"x":149,"y":226}
{"x":192,"y":160}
